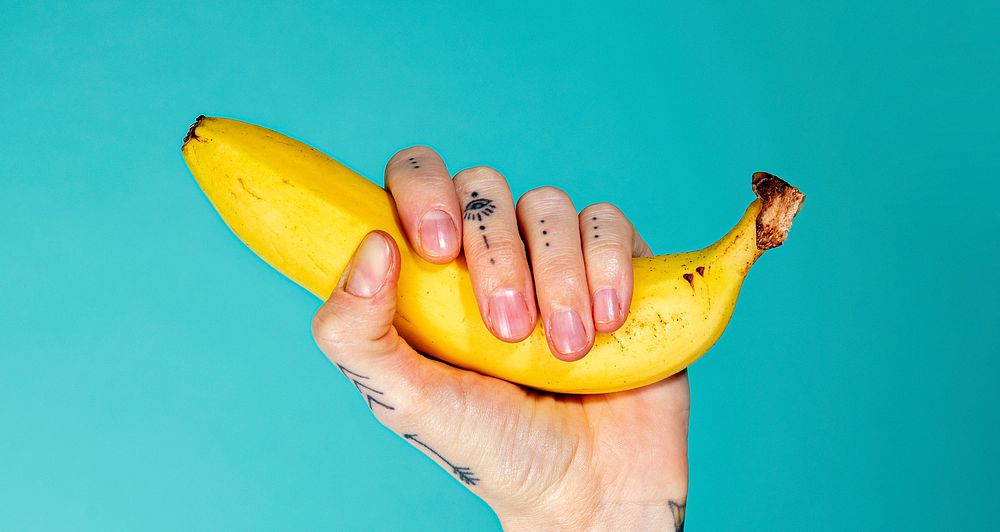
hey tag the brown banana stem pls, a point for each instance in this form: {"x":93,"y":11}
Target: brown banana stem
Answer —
{"x":780,"y":202}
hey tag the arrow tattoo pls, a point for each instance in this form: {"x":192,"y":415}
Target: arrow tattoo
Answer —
{"x":365,"y":389}
{"x":464,"y":473}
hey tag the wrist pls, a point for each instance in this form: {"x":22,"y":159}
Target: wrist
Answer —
{"x":658,"y":516}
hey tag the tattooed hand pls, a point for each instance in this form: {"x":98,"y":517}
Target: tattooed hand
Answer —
{"x":542,"y":461}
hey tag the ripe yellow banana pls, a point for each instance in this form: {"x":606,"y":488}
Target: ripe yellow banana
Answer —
{"x":304,"y":213}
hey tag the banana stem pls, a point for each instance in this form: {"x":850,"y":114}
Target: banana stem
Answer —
{"x":780,"y":202}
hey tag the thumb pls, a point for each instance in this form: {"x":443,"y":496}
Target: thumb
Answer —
{"x":354,"y":330}
{"x":422,"y":400}
{"x":356,"y":321}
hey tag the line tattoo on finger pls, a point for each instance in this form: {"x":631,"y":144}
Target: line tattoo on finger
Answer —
{"x":463,"y":473}
{"x":365,"y":389}
{"x":478,"y":208}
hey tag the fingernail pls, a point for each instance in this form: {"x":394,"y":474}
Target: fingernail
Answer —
{"x":438,"y":235}
{"x":509,"y":314}
{"x":370,"y":267}
{"x":606,"y":305}
{"x":568,"y":334}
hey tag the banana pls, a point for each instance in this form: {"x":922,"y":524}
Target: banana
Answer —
{"x":304,"y":214}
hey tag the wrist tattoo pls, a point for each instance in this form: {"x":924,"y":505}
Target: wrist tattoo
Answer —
{"x":365,"y":389}
{"x":677,"y":511}
{"x":463,"y":473}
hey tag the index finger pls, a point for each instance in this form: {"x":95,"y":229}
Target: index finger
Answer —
{"x":428,"y":207}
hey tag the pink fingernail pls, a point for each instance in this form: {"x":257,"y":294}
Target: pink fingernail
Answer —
{"x":370,"y":268}
{"x":509,"y":314}
{"x":438,"y":235}
{"x":567,"y":332}
{"x":607,"y":306}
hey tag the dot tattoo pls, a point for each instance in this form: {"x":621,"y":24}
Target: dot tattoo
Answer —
{"x":479,"y":207}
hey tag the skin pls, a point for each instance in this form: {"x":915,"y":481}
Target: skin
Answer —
{"x":542,"y":461}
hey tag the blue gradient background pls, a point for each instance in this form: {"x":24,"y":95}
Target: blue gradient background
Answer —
{"x":155,"y":375}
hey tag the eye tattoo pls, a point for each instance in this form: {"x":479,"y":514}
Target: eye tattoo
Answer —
{"x":463,"y":473}
{"x":365,"y":389}
{"x":479,"y":207}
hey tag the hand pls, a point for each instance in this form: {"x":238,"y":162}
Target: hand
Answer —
{"x":579,"y":288}
{"x":542,"y":461}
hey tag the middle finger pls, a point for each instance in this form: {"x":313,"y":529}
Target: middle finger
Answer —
{"x":495,"y":255}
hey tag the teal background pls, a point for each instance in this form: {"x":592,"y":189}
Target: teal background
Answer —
{"x":155,"y":375}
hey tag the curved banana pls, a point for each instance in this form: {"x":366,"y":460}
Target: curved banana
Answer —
{"x":304,"y":213}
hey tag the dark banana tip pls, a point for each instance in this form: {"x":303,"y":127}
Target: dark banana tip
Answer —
{"x":191,"y":134}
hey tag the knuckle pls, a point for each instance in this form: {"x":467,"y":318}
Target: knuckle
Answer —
{"x":401,"y":167}
{"x":477,"y":173}
{"x":608,"y":266}
{"x":541,"y":195}
{"x":328,"y":329}
{"x":600,"y":208}
{"x":566,"y":270}
{"x":504,"y":248}
{"x":611,"y":242}
{"x":412,"y":151}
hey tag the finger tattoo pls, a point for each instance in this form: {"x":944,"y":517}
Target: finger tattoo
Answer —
{"x":479,"y":207}
{"x":476,"y":209}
